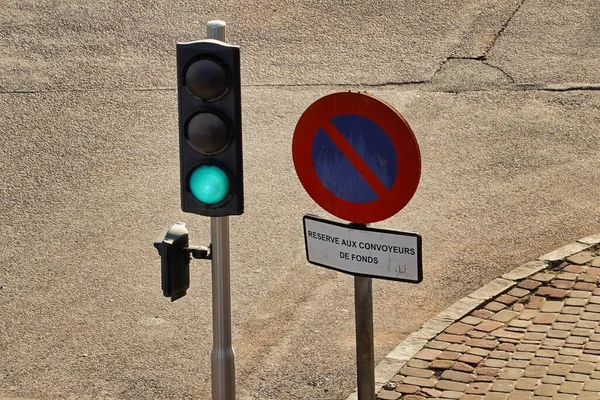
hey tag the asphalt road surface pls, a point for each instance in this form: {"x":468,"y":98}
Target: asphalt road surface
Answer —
{"x":503,"y":97}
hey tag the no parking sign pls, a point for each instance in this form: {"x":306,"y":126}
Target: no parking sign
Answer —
{"x":356,"y":157}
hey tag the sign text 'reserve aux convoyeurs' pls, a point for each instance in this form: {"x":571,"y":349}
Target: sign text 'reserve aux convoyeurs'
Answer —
{"x":363,"y":251}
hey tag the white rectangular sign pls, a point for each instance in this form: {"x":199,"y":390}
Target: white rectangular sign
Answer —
{"x":358,"y":250}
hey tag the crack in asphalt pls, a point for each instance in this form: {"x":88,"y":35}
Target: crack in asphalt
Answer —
{"x":502,"y":28}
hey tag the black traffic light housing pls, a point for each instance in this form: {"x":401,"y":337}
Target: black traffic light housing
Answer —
{"x":210,"y":128}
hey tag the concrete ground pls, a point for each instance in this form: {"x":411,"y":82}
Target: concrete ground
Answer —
{"x":503,"y":99}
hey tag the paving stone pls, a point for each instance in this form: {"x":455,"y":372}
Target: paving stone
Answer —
{"x":461,"y":348}
{"x":567,"y":318}
{"x":423,"y":382}
{"x":504,"y":315}
{"x":584,"y":286}
{"x":587,"y":324}
{"x":517,"y":363}
{"x":538,"y":328}
{"x":502,"y":386}
{"x":577,"y":377}
{"x":565,"y":351}
{"x":446,"y":337}
{"x":582,"y":332}
{"x":483,"y":343}
{"x":523,"y":355}
{"x":430,"y":392}
{"x":518,"y":292}
{"x":593,"y":307}
{"x":494,"y":306}
{"x":506,"y":299}
{"x":485,"y":378}
{"x":388,"y":395}
{"x":572,"y":310}
{"x":527,"y":347}
{"x":413,"y":397}
{"x":534,"y":336}
{"x":526,"y":383}
{"x":553,"y":379}
{"x":563,"y":284}
{"x":473,"y":320}
{"x":477,"y":351}
{"x":418,"y":363}
{"x":481,"y":313}
{"x":495,"y":396}
{"x":449,"y":355}
{"x":543,"y":277}
{"x":559,"y":369}
{"x":487,"y":371}
{"x":575,"y":302}
{"x":596,"y":261}
{"x":553,"y":333}
{"x":450,"y":385}
{"x":553,"y":343}
{"x":506,"y":347}
{"x":438,"y":345}
{"x":457,"y":376}
{"x":567,"y":276}
{"x":540,"y":361}
{"x":529,"y":284}
{"x":571,"y":387}
{"x":462,"y":367}
{"x":552,"y":306}
{"x":470,"y":359}
{"x":589,"y":358}
{"x":489,"y":325}
{"x":528,"y":314}
{"x":441,"y":364}
{"x":494,"y":363}
{"x":472,"y":397}
{"x":590,"y":316}
{"x":579,"y":294}
{"x":458,"y":328}
{"x":576,"y":340}
{"x":565,"y":359}
{"x":535,"y":371}
{"x":519,"y":395}
{"x":593,"y":385}
{"x":407,"y":389}
{"x":576,"y":269}
{"x":564,"y":396}
{"x":478,"y":388}
{"x":595,"y":299}
{"x":589,"y":278}
{"x":449,"y":394}
{"x":519,"y":323}
{"x":546,"y":353}
{"x":594,"y":270}
{"x":428,"y":354}
{"x":580,"y":258}
{"x":501,"y":333}
{"x":503,"y":355}
{"x":477,"y":334}
{"x":418,"y":372}
{"x":552,"y":293}
{"x":511,"y":373}
{"x":536,"y":302}
{"x":545,"y":318}
{"x":588,"y":396}
{"x":563,"y":326}
{"x":545,"y":389}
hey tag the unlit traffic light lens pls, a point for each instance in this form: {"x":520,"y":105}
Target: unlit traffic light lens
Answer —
{"x":206,"y":80}
{"x":209,"y":184}
{"x":207,"y":133}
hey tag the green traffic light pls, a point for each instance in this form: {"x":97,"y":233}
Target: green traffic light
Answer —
{"x":209,"y":184}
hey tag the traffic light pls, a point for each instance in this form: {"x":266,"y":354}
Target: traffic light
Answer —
{"x":210,"y":128}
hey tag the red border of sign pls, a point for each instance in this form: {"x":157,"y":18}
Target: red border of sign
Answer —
{"x":407,"y":149}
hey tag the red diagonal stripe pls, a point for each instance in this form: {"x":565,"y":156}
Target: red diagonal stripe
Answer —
{"x":355,"y":159}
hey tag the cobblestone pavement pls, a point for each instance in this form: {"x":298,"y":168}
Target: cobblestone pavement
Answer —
{"x":536,"y":335}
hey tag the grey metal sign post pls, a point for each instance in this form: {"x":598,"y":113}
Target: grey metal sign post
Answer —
{"x":222,"y":355}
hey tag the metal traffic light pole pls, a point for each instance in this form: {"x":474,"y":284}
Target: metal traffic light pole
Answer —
{"x":222,"y":355}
